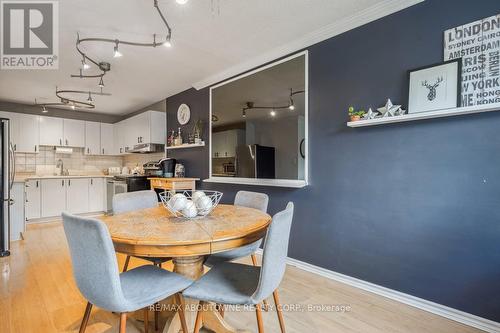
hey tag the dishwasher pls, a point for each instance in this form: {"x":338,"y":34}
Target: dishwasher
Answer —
{"x":114,"y":186}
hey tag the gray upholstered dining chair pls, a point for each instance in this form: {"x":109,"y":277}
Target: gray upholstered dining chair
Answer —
{"x":95,"y":269}
{"x":246,"y":199}
{"x":130,"y":201}
{"x":238,"y":284}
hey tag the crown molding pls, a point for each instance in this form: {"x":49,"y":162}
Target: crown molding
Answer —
{"x":363,"y":17}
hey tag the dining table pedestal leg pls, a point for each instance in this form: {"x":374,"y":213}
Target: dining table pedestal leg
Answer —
{"x":192,"y":268}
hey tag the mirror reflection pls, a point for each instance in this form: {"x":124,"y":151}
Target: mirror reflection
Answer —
{"x":258,"y":124}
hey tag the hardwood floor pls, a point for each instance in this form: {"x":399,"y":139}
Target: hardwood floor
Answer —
{"x":38,"y":294}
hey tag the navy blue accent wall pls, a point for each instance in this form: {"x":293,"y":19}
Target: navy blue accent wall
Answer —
{"x":415,"y":206}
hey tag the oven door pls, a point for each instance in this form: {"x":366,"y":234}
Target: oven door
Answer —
{"x":137,"y":184}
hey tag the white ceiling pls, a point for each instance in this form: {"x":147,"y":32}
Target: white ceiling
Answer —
{"x":209,"y":36}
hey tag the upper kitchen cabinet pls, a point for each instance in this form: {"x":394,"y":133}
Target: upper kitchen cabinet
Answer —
{"x":27,"y":124}
{"x":51,"y":131}
{"x":62,"y":132}
{"x":27,"y":138}
{"x":92,"y":138}
{"x":107,"y":139}
{"x":224,"y":143}
{"x":119,"y":137}
{"x":74,"y":133}
{"x":148,"y":127}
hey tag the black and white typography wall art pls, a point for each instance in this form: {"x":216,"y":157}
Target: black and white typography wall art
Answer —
{"x":478,"y":44}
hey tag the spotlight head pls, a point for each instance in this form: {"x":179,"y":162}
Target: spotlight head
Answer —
{"x":181,"y":2}
{"x":44,"y":109}
{"x":167,"y":43}
{"x":292,"y":107}
{"x":90,"y":97}
{"x":101,"y":83}
{"x":272,"y":113}
{"x":117,"y":54}
{"x":85,"y":65}
{"x":244,"y":113}
{"x":73,"y":106}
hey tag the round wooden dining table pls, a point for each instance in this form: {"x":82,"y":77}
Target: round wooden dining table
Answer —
{"x":155,"y":232}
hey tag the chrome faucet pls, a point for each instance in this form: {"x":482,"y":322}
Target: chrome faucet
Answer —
{"x":60,"y":165}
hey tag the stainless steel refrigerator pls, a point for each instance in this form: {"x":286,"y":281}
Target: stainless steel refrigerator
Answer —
{"x":7,"y":172}
{"x":255,"y":161}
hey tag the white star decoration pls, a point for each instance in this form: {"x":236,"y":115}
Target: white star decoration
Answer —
{"x":370,"y":114}
{"x":389,"y":109}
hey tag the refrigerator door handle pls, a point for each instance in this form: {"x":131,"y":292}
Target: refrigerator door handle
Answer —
{"x":12,"y":166}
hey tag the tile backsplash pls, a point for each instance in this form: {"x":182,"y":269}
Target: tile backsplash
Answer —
{"x":44,"y":162}
{"x":133,"y":160}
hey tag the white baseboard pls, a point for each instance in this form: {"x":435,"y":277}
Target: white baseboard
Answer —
{"x":58,"y":218}
{"x":435,"y":308}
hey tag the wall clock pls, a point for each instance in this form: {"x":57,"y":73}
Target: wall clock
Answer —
{"x":183,"y":114}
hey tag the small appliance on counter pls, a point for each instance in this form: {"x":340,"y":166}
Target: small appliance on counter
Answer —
{"x":180,"y":171}
{"x":168,"y":167}
{"x":113,"y":171}
{"x":152,"y":169}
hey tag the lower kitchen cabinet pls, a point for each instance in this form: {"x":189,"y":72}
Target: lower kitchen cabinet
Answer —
{"x":53,"y":197}
{"x":96,"y":195}
{"x":77,"y":195}
{"x":50,"y":197}
{"x":33,"y":208}
{"x":17,"y":220}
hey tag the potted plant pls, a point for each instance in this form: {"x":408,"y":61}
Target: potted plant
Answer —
{"x":197,"y":131}
{"x":355,"y":115}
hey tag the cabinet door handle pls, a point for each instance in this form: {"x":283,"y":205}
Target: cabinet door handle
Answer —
{"x":69,"y":182}
{"x":62,"y":182}
{"x":88,"y":150}
{"x":35,"y":148}
{"x":37,"y":183}
{"x":60,"y":142}
{"x":103,"y":151}
{"x":66,"y":142}
{"x":91,"y":181}
{"x":15,"y":146}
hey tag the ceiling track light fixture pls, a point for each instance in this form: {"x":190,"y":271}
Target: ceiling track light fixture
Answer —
{"x":70,"y":102}
{"x":104,"y":66}
{"x":290,"y":106}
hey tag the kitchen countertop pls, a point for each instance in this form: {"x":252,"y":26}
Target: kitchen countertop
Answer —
{"x":22,"y":179}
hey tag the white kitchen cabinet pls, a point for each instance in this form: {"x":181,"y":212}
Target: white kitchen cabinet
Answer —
{"x":24,"y":131}
{"x":13,"y":126}
{"x":146,"y":127}
{"x":92,"y":138}
{"x":33,"y":196}
{"x":27,"y":133}
{"x":107,"y":139}
{"x":74,"y":133}
{"x":96,"y":195}
{"x":217,"y":144}
{"x":17,"y":219}
{"x":118,"y":138}
{"x":53,"y":197}
{"x":224,"y":143}
{"x":77,"y":195}
{"x":51,"y":131}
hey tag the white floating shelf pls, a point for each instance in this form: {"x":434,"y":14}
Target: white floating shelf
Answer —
{"x":426,"y":115}
{"x":187,"y":145}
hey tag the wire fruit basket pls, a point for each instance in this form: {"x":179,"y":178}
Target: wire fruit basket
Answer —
{"x":189,"y":204}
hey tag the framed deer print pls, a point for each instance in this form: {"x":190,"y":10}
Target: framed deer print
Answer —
{"x":435,"y":87}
